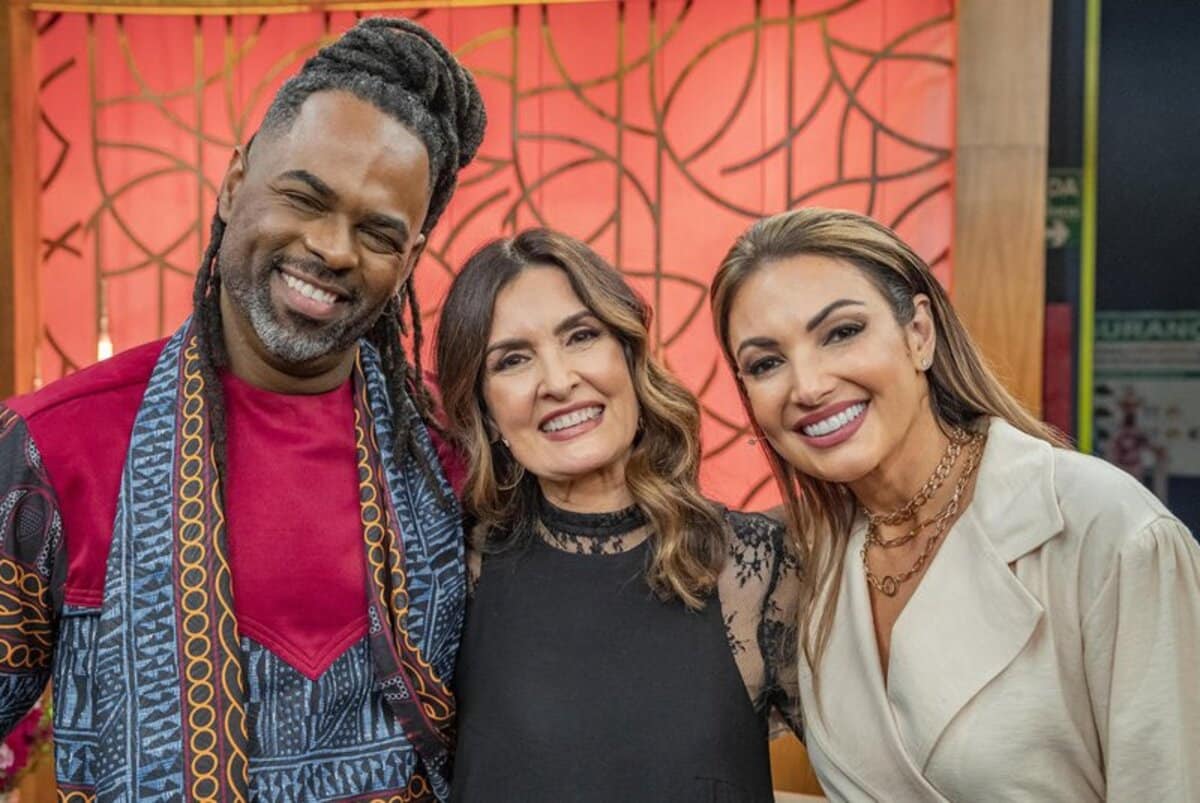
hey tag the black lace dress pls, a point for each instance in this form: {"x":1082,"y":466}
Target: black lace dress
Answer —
{"x":575,"y":683}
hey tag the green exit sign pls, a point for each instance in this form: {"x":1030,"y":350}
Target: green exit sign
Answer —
{"x":1064,"y":206}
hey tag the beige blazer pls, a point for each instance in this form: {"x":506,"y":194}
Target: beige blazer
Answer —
{"x":1050,"y":653}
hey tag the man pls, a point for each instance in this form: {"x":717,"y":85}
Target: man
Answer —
{"x":235,"y":550}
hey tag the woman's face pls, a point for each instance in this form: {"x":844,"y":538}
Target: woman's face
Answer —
{"x":556,"y":383}
{"x":835,"y":383}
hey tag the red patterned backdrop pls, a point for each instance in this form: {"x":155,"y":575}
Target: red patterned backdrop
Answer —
{"x":655,"y":130}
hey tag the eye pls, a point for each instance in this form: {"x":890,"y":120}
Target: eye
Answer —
{"x":842,"y":332}
{"x":305,"y":203}
{"x":762,"y":365}
{"x":582,"y":335}
{"x":508,"y":361}
{"x":378,"y":241}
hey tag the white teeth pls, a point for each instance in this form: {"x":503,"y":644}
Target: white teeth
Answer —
{"x":307,"y":290}
{"x":834,"y":422}
{"x":572,"y":419}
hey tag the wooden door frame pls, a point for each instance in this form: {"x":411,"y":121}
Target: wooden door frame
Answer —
{"x":19,"y":325}
{"x":999,"y":283}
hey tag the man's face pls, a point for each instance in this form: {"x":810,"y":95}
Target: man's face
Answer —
{"x":323,"y":225}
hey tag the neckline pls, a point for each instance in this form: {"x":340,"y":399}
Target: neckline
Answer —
{"x":605,"y":525}
{"x":248,"y":390}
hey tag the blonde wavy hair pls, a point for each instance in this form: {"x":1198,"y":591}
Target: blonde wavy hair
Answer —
{"x":963,"y":389}
{"x":663,"y":469}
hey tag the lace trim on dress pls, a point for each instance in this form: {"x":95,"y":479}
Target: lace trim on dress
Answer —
{"x":608,"y":533}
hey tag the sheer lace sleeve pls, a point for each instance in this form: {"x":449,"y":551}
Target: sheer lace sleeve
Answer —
{"x":759,"y":589}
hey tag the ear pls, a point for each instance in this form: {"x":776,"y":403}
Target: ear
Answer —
{"x":495,"y":437}
{"x":410,"y":261}
{"x":234,"y":174}
{"x":921,"y":333}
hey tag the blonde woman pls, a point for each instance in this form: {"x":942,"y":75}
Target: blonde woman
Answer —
{"x":626,"y":639}
{"x":986,"y":614}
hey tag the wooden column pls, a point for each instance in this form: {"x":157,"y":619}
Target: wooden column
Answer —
{"x":1000,"y":195}
{"x":18,"y":200}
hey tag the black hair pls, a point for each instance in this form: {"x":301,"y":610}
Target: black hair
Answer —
{"x":404,"y":71}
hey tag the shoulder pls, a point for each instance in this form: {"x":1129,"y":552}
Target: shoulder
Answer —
{"x":92,"y":393}
{"x":1126,"y":544}
{"x":19,"y":458}
{"x":1079,"y":522}
{"x":758,"y":545}
{"x":1101,"y":502}
{"x":1113,"y":525}
{"x":749,"y":528}
{"x":79,"y":428}
{"x":1030,"y":491}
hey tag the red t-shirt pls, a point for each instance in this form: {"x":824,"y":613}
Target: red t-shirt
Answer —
{"x":291,"y":495}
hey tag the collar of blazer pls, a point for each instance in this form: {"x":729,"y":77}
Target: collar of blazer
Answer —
{"x":968,"y":620}
{"x":972,"y":616}
{"x":1014,"y":501}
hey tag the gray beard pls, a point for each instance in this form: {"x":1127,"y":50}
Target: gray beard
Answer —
{"x":290,"y":339}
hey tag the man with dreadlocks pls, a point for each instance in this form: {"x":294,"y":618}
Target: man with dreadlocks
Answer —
{"x":235,"y":550}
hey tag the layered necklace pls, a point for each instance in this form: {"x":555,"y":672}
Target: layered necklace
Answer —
{"x":961,"y":442}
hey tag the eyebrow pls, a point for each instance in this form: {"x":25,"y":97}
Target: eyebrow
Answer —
{"x":317,"y":186}
{"x":329,"y":195}
{"x":752,"y":342}
{"x":813,"y":323}
{"x":815,"y":320}
{"x":567,"y":323}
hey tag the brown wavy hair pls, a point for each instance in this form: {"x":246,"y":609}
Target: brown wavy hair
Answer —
{"x":963,"y":390}
{"x":663,"y":469}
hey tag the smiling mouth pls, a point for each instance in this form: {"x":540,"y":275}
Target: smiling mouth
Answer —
{"x":830,"y":425}
{"x":572,"y":419}
{"x":309,"y":290}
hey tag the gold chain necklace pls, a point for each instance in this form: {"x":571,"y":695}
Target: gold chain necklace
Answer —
{"x":958,"y":439}
{"x":889,"y":584}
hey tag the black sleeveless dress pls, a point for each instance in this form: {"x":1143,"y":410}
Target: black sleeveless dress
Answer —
{"x":575,"y":683}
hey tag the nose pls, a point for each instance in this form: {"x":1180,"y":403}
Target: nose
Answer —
{"x":812,"y":385}
{"x":331,"y":239}
{"x":559,"y":377}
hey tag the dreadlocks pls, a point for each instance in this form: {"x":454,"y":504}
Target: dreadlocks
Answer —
{"x":405,"y":72}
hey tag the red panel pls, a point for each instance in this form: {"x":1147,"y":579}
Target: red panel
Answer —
{"x":1058,"y":372}
{"x":658,"y":132}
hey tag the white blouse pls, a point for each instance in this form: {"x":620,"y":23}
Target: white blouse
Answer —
{"x":1051,"y":652}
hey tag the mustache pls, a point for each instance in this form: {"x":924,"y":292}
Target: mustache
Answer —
{"x":314,"y":269}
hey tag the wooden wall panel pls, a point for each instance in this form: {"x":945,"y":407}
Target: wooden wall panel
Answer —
{"x":1000,"y":174}
{"x":18,"y":191}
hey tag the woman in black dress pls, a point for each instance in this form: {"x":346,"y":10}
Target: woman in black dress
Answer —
{"x":626,"y":640}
